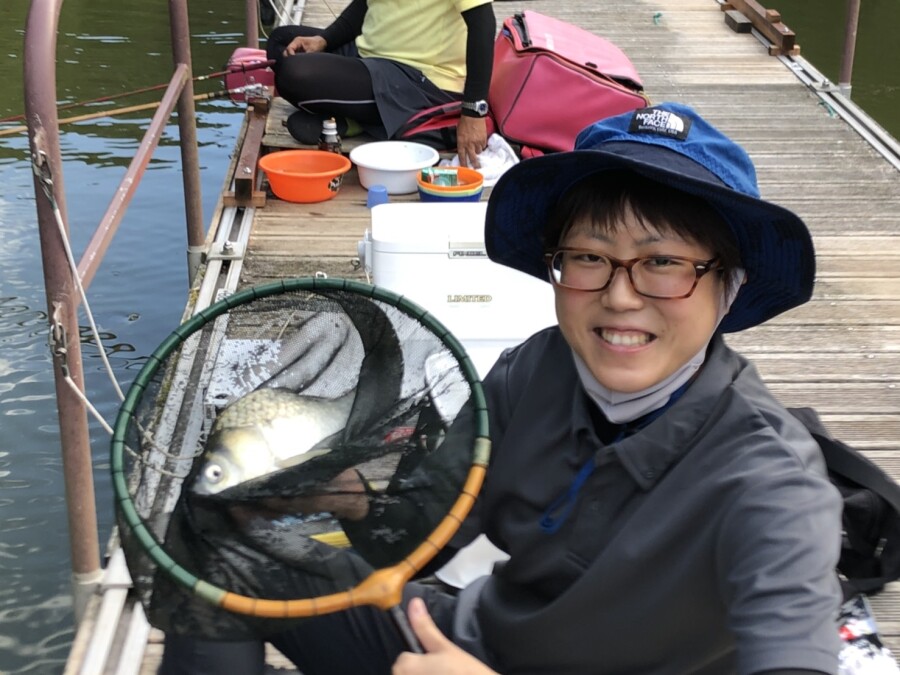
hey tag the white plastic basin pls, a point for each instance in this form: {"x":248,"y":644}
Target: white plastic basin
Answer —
{"x":394,"y":164}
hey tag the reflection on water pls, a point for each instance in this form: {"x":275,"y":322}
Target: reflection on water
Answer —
{"x":35,"y":607}
{"x":136,"y":298}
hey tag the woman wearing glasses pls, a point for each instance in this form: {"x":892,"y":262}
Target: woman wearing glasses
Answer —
{"x":662,"y":511}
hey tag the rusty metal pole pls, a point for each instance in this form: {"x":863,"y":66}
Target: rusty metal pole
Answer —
{"x":187,"y":129}
{"x":850,"y":29}
{"x":252,"y":23}
{"x":62,"y":297}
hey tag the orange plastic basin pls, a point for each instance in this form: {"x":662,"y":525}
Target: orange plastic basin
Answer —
{"x":305,"y":176}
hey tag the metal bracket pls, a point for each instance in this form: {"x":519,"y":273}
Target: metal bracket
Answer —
{"x":58,"y":340}
{"x":245,"y":175}
{"x":257,"y":94}
{"x":40,"y":165}
{"x":229,"y":250}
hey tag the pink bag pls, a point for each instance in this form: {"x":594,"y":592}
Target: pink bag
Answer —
{"x":552,"y":79}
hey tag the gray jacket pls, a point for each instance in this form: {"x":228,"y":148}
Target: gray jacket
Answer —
{"x":705,"y":542}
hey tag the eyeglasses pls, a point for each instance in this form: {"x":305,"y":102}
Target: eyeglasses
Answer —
{"x":656,"y":276}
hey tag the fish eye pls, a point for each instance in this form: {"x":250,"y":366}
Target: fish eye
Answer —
{"x":214,"y":473}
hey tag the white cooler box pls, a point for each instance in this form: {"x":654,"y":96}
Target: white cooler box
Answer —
{"x":433,"y":253}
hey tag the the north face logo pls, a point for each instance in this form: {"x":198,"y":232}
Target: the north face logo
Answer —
{"x":661,"y":122}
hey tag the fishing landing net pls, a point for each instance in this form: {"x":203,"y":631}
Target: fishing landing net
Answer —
{"x":297,"y":448}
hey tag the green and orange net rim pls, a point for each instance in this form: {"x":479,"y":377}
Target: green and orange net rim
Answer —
{"x":384,"y":587}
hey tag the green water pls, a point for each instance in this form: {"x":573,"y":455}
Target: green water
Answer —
{"x":104,"y":49}
{"x":819,"y":26}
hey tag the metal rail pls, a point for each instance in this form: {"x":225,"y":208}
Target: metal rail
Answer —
{"x":841,"y":104}
{"x":851,"y":25}
{"x":105,"y":232}
{"x":61,"y":286}
{"x":62,"y":300}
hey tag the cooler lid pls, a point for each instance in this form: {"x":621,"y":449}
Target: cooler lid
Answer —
{"x":427,"y":227}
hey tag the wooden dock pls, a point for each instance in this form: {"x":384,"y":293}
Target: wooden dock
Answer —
{"x":840,"y":353}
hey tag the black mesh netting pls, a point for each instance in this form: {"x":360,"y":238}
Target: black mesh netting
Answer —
{"x":285,"y":447}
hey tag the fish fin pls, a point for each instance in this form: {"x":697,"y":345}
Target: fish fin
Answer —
{"x":296,"y":460}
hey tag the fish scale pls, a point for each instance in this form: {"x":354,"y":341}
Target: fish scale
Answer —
{"x":265,"y":431}
{"x":265,"y":404}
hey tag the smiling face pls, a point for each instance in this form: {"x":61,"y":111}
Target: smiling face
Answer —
{"x":628,"y":341}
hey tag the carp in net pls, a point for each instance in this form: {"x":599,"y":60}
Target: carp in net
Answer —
{"x":295,"y":449}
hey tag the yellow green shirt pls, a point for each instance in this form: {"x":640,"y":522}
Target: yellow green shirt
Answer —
{"x":426,"y":34}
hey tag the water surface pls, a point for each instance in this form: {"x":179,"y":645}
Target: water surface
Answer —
{"x":137,"y":296}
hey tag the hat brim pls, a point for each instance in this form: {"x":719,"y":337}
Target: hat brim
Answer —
{"x":775,"y":245}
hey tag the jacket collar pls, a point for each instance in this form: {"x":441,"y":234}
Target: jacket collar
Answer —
{"x":650,"y":452}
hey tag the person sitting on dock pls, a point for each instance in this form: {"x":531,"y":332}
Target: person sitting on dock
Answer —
{"x":381,"y":61}
{"x":662,"y":512}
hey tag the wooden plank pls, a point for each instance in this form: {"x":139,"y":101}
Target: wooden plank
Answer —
{"x":737,"y":21}
{"x":245,"y":179}
{"x":768,"y":22}
{"x":824,"y":341}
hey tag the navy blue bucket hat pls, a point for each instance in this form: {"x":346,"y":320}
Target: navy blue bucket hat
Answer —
{"x":671,"y":144}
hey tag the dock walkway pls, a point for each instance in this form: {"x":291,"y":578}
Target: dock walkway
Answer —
{"x":815,"y":154}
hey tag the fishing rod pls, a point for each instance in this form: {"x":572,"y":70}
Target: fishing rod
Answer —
{"x":133,"y":108}
{"x":243,"y":68}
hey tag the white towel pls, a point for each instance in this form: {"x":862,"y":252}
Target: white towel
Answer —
{"x":495,"y":159}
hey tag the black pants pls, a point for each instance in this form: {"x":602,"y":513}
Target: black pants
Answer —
{"x":332,"y":82}
{"x":362,"y":641}
{"x":379,"y":93}
{"x":187,"y":656}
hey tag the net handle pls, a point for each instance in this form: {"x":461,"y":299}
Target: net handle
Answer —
{"x":384,"y":587}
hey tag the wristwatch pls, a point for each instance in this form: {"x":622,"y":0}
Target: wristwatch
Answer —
{"x":478,"y":108}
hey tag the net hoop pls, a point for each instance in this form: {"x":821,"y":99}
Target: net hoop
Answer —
{"x":383,"y":588}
